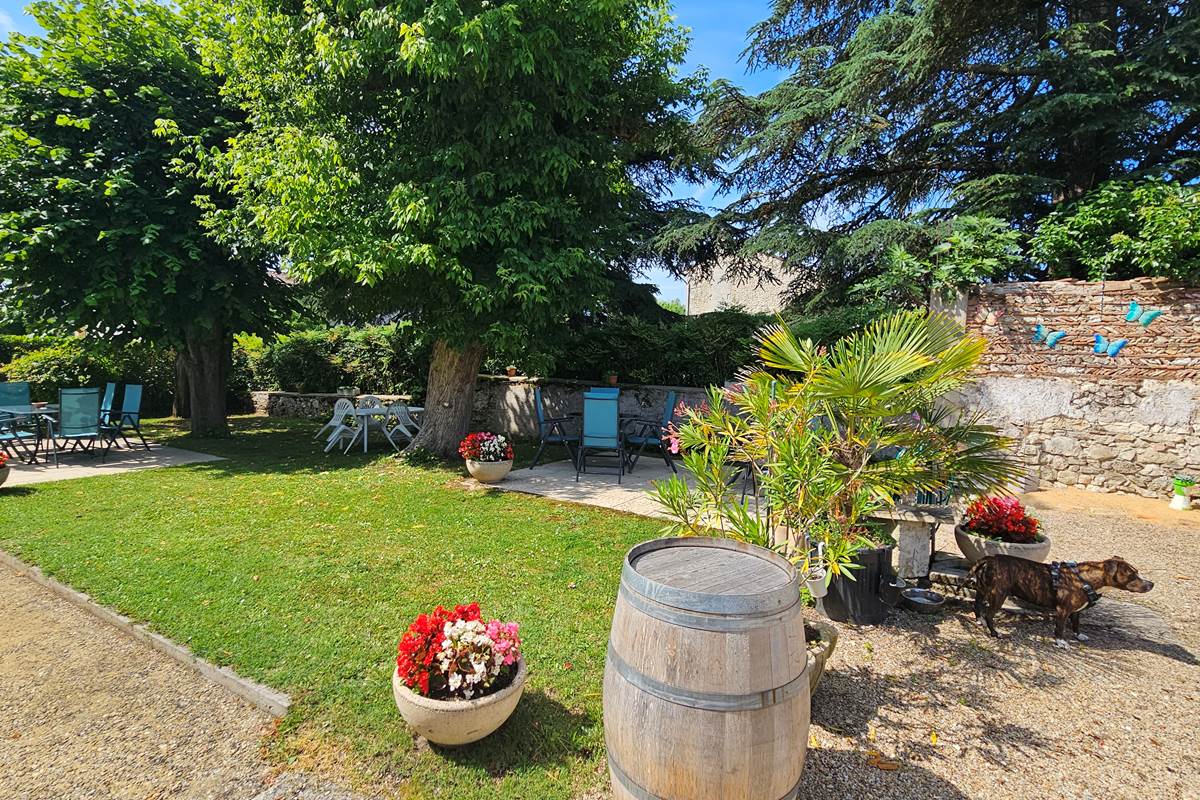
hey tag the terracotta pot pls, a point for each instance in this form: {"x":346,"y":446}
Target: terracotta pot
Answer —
{"x":612,"y":380}
{"x":455,"y":722}
{"x":977,"y":548}
{"x":489,"y":471}
{"x":819,"y":650}
{"x":4,"y":473}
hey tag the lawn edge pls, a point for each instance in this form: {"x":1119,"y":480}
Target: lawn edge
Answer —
{"x":263,"y":697}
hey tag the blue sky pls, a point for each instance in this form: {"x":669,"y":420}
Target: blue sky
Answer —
{"x":718,"y":38}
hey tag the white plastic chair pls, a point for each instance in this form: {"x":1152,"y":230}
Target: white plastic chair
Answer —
{"x":403,"y":423}
{"x":341,"y":409}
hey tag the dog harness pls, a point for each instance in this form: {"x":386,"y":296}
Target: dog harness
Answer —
{"x":1056,"y":577}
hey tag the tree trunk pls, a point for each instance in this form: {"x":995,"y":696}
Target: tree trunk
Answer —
{"x":183,"y":390}
{"x":449,"y":398}
{"x":208,"y":355}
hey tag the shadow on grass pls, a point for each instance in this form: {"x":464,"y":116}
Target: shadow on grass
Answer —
{"x":542,"y":732}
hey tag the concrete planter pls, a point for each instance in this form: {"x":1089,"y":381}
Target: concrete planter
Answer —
{"x":489,"y":471}
{"x":819,"y":649}
{"x":4,"y":473}
{"x":456,"y":722}
{"x":977,"y":548}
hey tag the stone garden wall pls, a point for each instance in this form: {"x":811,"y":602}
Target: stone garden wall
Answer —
{"x":1125,"y":424}
{"x":304,"y":406}
{"x":505,"y":405}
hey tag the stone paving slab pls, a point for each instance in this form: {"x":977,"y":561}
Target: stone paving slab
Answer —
{"x":77,"y":465}
{"x":556,"y":481}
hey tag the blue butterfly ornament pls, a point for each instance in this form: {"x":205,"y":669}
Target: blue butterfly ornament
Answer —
{"x":1043,"y":335}
{"x":1108,"y":347}
{"x":1144,"y":316}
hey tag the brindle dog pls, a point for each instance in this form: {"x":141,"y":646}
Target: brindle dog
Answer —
{"x":997,"y":577}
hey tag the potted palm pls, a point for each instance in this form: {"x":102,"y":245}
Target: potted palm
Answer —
{"x":489,"y":456}
{"x":798,"y":456}
{"x":1000,"y":526}
{"x":458,"y":678}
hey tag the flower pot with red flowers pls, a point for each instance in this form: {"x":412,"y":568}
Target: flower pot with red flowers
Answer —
{"x":1000,"y":526}
{"x":4,"y":468}
{"x":489,"y":456}
{"x":457,"y":677}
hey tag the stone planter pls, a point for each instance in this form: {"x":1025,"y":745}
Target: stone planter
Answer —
{"x":456,"y":722}
{"x":820,"y":637}
{"x":4,"y":473}
{"x":489,"y":471}
{"x":976,"y":548}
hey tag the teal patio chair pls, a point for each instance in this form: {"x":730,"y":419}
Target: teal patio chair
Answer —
{"x":129,"y":417}
{"x":17,"y":431}
{"x":601,"y":432}
{"x":605,"y":391}
{"x":79,"y":424}
{"x":551,"y":430}
{"x":652,"y":433}
{"x":106,"y":403}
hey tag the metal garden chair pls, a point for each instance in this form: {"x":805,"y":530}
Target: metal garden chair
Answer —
{"x":79,"y":424}
{"x":15,"y":431}
{"x":601,"y":432}
{"x":652,"y":433}
{"x":551,"y":430}
{"x":130,"y":415}
{"x":106,"y":402}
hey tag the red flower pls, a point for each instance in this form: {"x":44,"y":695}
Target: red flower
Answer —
{"x":1002,"y":518}
{"x":420,"y":644}
{"x":485,"y":446}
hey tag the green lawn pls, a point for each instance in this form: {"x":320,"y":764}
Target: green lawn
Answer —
{"x":301,"y":570}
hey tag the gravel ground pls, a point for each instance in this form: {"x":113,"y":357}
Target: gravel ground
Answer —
{"x":930,"y":707}
{"x":87,"y":712}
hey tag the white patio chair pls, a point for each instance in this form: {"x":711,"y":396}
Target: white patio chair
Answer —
{"x":402,"y":423}
{"x":341,"y":409}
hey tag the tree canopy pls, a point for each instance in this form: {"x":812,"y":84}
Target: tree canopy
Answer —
{"x":943,"y":107}
{"x":480,"y":166}
{"x":99,"y":228}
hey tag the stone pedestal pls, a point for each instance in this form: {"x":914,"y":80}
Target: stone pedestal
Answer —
{"x":912,"y":551}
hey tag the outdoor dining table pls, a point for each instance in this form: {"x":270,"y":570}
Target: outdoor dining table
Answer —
{"x":43,"y":415}
{"x":365,"y":414}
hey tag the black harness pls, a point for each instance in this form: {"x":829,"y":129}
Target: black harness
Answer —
{"x":1056,"y":578}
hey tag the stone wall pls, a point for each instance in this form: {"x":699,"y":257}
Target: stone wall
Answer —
{"x":720,"y":289}
{"x":305,"y":406}
{"x":1124,"y":424}
{"x":506,"y":405}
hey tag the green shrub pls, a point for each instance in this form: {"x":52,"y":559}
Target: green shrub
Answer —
{"x":14,"y":345}
{"x":1124,"y":230}
{"x":71,"y":363}
{"x":385,"y":359}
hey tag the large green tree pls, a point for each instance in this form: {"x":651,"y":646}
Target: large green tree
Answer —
{"x":1003,"y":108}
{"x":477,"y":165}
{"x":100,"y":222}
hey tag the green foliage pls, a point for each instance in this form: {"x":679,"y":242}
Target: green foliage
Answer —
{"x":72,"y":363}
{"x":686,"y":351}
{"x":14,"y":345}
{"x":814,"y":424}
{"x":388,"y":359}
{"x":969,"y":250}
{"x":476,"y":164}
{"x":1124,"y":229}
{"x":674,"y":306}
{"x":100,"y":227}
{"x":1000,"y":109}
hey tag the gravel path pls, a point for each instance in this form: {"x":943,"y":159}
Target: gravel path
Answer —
{"x":87,"y":712}
{"x":930,"y":707}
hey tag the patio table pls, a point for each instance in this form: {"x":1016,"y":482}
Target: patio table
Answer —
{"x":364,"y":417}
{"x":42,"y":415}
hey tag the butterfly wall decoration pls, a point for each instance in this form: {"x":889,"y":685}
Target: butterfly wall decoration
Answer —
{"x":1043,"y":335}
{"x":1108,"y":347}
{"x":1143,"y":316}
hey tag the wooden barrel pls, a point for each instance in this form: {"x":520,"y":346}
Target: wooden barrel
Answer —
{"x":705,"y":691}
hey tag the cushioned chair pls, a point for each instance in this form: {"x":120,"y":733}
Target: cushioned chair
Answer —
{"x":601,"y":432}
{"x":551,"y":430}
{"x":652,"y":433}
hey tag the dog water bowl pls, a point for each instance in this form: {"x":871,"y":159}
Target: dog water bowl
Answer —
{"x":926,"y":601}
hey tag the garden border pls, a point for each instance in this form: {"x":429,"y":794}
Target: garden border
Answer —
{"x":263,"y":697}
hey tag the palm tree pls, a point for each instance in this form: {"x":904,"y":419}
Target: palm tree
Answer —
{"x":827,"y":436}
